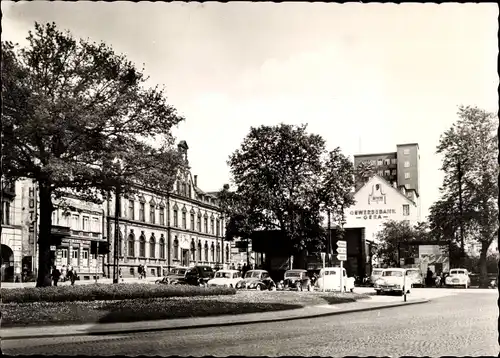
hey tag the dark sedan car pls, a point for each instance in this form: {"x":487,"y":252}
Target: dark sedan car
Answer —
{"x":297,"y":279}
{"x":257,"y":280}
{"x":197,"y":276}
{"x":173,"y":277}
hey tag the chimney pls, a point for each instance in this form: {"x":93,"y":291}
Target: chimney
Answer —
{"x":195,"y":180}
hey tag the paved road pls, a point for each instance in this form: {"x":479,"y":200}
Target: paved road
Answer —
{"x":458,"y":323}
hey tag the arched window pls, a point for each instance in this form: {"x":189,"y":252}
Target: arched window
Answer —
{"x":152,"y":247}
{"x":206,"y":251}
{"x":176,"y":249}
{"x":199,"y":251}
{"x":142,"y":246}
{"x":162,"y":247}
{"x":199,"y":222}
{"x":227,"y":253}
{"x":193,"y":250}
{"x":218,"y":252}
{"x":131,"y":245}
{"x":212,"y":253}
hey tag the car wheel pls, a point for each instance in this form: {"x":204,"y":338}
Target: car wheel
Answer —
{"x":378,"y":293}
{"x":258,"y":288}
{"x":273,"y":288}
{"x":352,"y":289}
{"x":309,"y":288}
{"x":231,"y":286}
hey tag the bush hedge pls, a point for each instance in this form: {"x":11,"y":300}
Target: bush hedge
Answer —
{"x":107,"y":292}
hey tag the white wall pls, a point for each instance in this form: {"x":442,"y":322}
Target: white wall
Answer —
{"x":374,"y":207}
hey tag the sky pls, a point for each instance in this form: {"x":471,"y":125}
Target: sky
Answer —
{"x":364,"y":76}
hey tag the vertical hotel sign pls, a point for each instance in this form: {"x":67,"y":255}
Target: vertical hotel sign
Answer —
{"x":32,"y":214}
{"x":377,"y":196}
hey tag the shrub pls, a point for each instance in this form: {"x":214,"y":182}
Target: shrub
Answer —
{"x":107,"y":292}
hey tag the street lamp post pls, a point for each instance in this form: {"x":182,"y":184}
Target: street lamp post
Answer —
{"x":117,"y":237}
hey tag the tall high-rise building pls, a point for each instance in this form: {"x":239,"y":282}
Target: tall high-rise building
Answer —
{"x":400,"y":168}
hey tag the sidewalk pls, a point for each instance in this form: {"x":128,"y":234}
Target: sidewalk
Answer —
{"x":200,"y":322}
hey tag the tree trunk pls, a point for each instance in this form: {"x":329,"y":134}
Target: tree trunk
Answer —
{"x":483,"y":268}
{"x":44,"y":235}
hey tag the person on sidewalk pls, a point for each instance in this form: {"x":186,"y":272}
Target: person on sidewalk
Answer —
{"x":144,"y":270}
{"x":428,"y":278}
{"x":120,"y":274}
{"x":56,"y":274}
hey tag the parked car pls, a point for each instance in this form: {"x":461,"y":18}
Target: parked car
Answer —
{"x":458,"y":277}
{"x":393,"y":280}
{"x":172,"y":277}
{"x":256,"y":280}
{"x":416,"y":277}
{"x":329,"y":278}
{"x":227,"y":278}
{"x":296,"y":279}
{"x":376,"y":274}
{"x":197,"y":276}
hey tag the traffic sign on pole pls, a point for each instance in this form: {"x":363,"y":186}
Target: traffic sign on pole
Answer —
{"x":341,"y":250}
{"x":342,"y":243}
{"x":342,"y":257}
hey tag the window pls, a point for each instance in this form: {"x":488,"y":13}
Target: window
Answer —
{"x":193,"y":251}
{"x":6,"y":213}
{"x":184,"y":189}
{"x":380,"y":173}
{"x":131,"y":209}
{"x":184,"y":224}
{"x":218,"y":227}
{"x":199,"y":222}
{"x":189,"y":190}
{"x":95,"y":225}
{"x":152,"y":214}
{"x":387,"y":172}
{"x":205,"y":225}
{"x":407,"y":175}
{"x":379,"y":162}
{"x":406,"y":151}
{"x":120,"y":243}
{"x":176,"y":218}
{"x":162,"y":216}
{"x":199,"y":251}
{"x":394,"y":172}
{"x":142,"y":246}
{"x":152,"y":247}
{"x":407,"y":164}
{"x":176,"y":249}
{"x":408,"y":186}
{"x":212,"y":224}
{"x":131,"y":246}
{"x":54,"y":215}
{"x":74,"y":256}
{"x":64,"y":253}
{"x":394,"y":161}
{"x":142,"y":217}
{"x":387,"y":161}
{"x":212,"y":253}
{"x":85,"y":223}
{"x":406,"y":209}
{"x":162,"y":247}
{"x":218,"y":252}
{"x":192,"y":222}
{"x":206,"y":251}
{"x":227,"y":253}
{"x":76,"y":222}
{"x":85,"y":254}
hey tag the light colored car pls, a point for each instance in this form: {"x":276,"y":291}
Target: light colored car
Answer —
{"x":376,"y":274}
{"x":416,"y":277}
{"x":329,"y":278}
{"x":458,"y":277}
{"x":227,"y":278}
{"x":393,"y":280}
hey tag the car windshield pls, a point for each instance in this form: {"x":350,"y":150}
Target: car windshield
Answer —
{"x":377,"y":272}
{"x":252,"y":274}
{"x":330,"y":273}
{"x":393,"y":273}
{"x":458,"y":272}
{"x":222,"y":274}
{"x":292,"y":274}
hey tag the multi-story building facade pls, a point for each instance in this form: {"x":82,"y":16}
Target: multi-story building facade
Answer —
{"x":160,"y":229}
{"x":12,"y":222}
{"x":399,"y":168}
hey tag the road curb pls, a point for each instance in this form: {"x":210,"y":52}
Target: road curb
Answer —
{"x":210,"y":325}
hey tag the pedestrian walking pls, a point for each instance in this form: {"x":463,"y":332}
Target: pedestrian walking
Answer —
{"x":428,"y":278}
{"x":120,"y":274}
{"x":144,"y":270}
{"x":56,"y":274}
{"x":64,"y":273}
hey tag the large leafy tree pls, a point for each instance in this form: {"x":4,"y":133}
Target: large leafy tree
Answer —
{"x":286,"y":178}
{"x":364,"y":171}
{"x":76,"y":116}
{"x":470,"y":166}
{"x":394,"y":235}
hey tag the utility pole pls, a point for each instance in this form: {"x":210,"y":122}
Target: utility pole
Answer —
{"x":117,"y":236}
{"x":329,"y":242}
{"x":460,"y":208}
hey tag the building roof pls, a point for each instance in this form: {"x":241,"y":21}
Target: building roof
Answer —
{"x":388,"y":184}
{"x":405,"y":144}
{"x":374,"y":154}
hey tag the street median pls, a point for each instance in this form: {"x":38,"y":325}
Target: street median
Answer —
{"x":111,"y":303}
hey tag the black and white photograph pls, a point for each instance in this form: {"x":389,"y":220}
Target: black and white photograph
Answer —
{"x":249,"y":179}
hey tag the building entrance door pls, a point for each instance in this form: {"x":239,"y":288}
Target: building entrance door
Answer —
{"x":185,"y":257}
{"x":7,"y":264}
